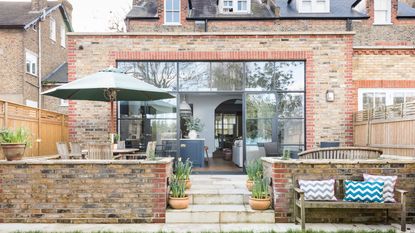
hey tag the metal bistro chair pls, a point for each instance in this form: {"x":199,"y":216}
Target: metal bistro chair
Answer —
{"x":102,"y":151}
{"x":271,"y":149}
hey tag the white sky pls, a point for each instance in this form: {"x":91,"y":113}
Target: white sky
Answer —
{"x":95,"y":15}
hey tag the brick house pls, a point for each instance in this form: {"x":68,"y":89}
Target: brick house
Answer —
{"x":33,"y":51}
{"x":285,"y":71}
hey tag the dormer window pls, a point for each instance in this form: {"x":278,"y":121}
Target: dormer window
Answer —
{"x":382,"y":12}
{"x":234,"y":6}
{"x":313,"y":6}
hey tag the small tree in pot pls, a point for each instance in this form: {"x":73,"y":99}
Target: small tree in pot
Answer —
{"x":260,"y":198}
{"x":254,"y":170}
{"x":14,"y":143}
{"x":178,"y":199}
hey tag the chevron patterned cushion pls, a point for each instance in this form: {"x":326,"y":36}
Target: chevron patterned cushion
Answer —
{"x":388,"y":189}
{"x":318,"y":190}
{"x":363,"y":191}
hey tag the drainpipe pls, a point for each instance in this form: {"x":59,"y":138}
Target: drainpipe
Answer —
{"x":206,"y":26}
{"x":40,"y":61}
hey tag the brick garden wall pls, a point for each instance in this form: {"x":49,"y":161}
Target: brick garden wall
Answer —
{"x":84,"y":191}
{"x":283,"y":173}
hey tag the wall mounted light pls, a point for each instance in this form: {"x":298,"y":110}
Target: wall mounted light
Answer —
{"x":330,"y":96}
{"x":185,"y":108}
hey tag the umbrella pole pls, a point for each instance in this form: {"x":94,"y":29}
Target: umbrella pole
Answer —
{"x":112,"y":118}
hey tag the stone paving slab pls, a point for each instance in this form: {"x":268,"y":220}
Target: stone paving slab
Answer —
{"x":184,"y":228}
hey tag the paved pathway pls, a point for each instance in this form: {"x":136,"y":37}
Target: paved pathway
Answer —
{"x":184,"y":228}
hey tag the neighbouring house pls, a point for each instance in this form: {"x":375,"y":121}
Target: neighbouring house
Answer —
{"x":33,"y":51}
{"x":290,"y":72}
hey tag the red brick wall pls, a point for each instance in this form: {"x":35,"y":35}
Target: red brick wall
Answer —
{"x":84,"y":191}
{"x":283,"y":174}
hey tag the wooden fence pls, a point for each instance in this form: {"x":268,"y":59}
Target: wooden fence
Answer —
{"x":46,"y":127}
{"x":391,"y":128}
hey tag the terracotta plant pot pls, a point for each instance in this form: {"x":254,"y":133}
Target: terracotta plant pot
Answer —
{"x":260,"y":204}
{"x":249,"y":184}
{"x":188,"y":184}
{"x":179,"y":203}
{"x":13,"y":151}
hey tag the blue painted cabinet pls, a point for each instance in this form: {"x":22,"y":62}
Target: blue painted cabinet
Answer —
{"x":194,"y":150}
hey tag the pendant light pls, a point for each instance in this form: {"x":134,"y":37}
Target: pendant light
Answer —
{"x":185,"y":108}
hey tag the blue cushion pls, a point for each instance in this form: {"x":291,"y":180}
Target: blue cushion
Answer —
{"x":363,"y":191}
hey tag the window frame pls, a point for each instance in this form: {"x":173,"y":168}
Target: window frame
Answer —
{"x":63,"y":36}
{"x":389,"y":95}
{"x":172,"y":10}
{"x":234,"y":7}
{"x":300,"y":6}
{"x":33,"y":60}
{"x":52,"y":29}
{"x":388,"y":10}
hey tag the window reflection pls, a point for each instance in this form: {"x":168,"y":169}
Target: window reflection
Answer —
{"x":194,"y":76}
{"x":227,"y":76}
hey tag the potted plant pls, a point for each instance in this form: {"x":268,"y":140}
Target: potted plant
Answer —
{"x":115,"y":138}
{"x":183,"y":171}
{"x":14,"y":143}
{"x":178,"y":199}
{"x":260,"y":198}
{"x":254,"y":171}
{"x":194,"y":125}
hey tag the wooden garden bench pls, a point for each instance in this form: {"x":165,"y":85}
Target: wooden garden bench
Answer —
{"x":341,"y":153}
{"x":300,"y":205}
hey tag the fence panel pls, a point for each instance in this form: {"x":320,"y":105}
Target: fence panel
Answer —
{"x":390,"y":128}
{"x":46,"y":127}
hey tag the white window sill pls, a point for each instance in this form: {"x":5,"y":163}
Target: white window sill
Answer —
{"x":382,"y":24}
{"x":34,"y":75}
{"x":172,"y":24}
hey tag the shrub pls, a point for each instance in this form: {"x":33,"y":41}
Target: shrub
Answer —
{"x":254,"y":170}
{"x":177,"y":187}
{"x":17,"y":136}
{"x":260,"y":190}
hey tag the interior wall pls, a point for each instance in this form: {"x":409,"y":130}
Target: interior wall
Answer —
{"x":204,"y":106}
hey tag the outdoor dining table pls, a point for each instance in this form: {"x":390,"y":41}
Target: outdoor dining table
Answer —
{"x":119,"y":151}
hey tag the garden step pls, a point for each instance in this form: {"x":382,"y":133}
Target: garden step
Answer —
{"x":219,"y":214}
{"x":218,"y":198}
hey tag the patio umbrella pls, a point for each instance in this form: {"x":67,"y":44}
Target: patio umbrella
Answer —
{"x":109,"y":85}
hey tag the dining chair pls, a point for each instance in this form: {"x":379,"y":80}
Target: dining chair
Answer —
{"x":271,"y":149}
{"x":76,"y":149}
{"x":62,"y":150}
{"x":100,"y":151}
{"x":121,"y":145}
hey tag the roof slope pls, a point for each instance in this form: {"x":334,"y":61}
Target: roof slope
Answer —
{"x":208,"y":9}
{"x":339,"y":9}
{"x":405,"y":11}
{"x":146,"y":10}
{"x":19,"y":14}
{"x":59,"y":75}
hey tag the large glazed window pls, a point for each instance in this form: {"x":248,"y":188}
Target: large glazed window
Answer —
{"x":172,"y":12}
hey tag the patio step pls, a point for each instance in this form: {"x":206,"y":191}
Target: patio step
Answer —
{"x":219,"y":199}
{"x":219,"y":214}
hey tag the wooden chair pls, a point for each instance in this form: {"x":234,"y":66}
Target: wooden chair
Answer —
{"x":76,"y":149}
{"x":341,"y":153}
{"x":121,"y":145}
{"x":151,"y":146}
{"x":62,"y":150}
{"x":102,"y":151}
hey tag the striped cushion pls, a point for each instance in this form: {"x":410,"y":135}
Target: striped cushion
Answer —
{"x":363,"y":191}
{"x":318,"y":190}
{"x":389,"y":187}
